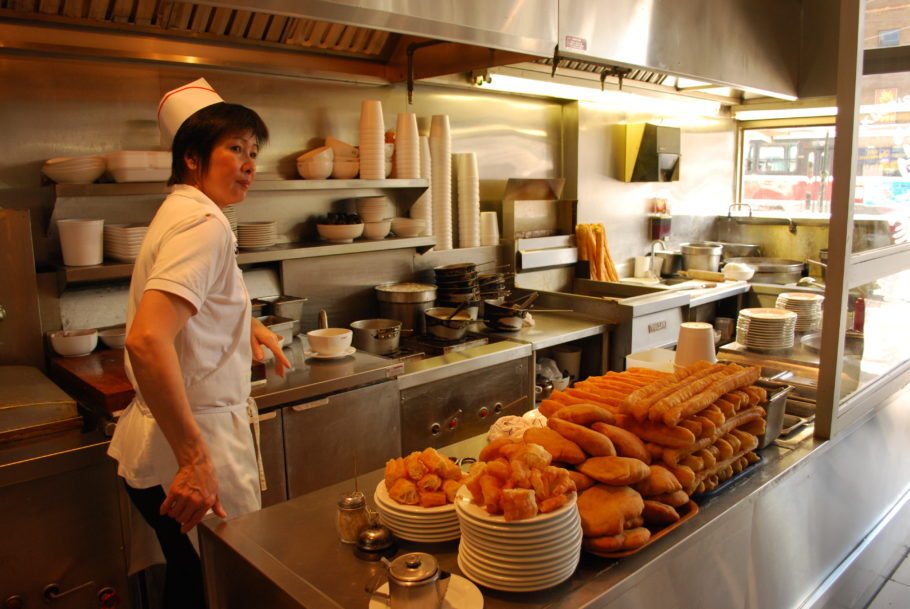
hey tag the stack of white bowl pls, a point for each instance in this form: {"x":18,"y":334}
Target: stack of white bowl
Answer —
{"x":766,"y":329}
{"x":416,"y":523}
{"x":345,"y":159}
{"x":316,"y":164}
{"x":256,"y":235}
{"x":123,"y":241}
{"x":372,"y":140}
{"x":468,"y":185}
{"x":518,"y":555}
{"x":807,"y":306}
{"x":74,"y":170}
{"x":423,"y":208}
{"x":441,"y":185}
{"x":376,"y":213}
{"x":407,"y":147}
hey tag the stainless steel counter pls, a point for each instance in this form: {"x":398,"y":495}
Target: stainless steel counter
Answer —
{"x":312,"y":377}
{"x":423,"y":371}
{"x":295,"y":559}
{"x":554,"y":329}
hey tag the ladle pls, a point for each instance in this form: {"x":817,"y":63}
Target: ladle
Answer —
{"x":523,"y":303}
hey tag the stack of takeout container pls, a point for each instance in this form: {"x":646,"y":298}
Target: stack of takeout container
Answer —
{"x":372,"y":141}
{"x":807,"y":306}
{"x":256,"y":235}
{"x":416,"y":523}
{"x":441,"y":183}
{"x":468,"y":185}
{"x":407,"y":147}
{"x":766,"y":329}
{"x":423,"y":207}
{"x":518,"y":555}
{"x":123,"y":241}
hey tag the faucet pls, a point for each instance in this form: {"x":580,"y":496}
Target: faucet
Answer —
{"x":655,"y":272}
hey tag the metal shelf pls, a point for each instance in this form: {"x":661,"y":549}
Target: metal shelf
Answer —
{"x":289,"y":251}
{"x":153,"y":188}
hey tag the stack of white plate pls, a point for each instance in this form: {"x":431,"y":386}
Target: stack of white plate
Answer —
{"x":518,"y":555}
{"x":807,"y":306}
{"x":423,"y":208}
{"x":766,"y":328}
{"x":74,"y":170}
{"x":416,"y":523}
{"x":256,"y":235}
{"x":231,"y":214}
{"x":468,"y":185}
{"x":441,"y":183}
{"x":122,"y":241}
{"x":372,"y":140}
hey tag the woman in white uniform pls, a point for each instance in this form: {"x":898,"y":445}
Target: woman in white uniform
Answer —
{"x":184,"y":445}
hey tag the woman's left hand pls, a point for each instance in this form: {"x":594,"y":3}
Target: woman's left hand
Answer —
{"x":260,"y":337}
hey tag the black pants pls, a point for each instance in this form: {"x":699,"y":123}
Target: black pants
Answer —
{"x":183,"y":577}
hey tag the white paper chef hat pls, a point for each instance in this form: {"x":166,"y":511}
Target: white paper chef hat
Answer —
{"x":178,"y":105}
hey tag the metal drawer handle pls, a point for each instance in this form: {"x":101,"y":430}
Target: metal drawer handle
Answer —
{"x":52,"y":591}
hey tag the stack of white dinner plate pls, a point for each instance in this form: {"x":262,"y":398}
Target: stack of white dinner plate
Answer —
{"x":518,"y":555}
{"x":766,"y":328}
{"x":231,"y":214}
{"x":807,"y":306}
{"x":122,"y":241}
{"x":416,"y":523}
{"x":256,"y":235}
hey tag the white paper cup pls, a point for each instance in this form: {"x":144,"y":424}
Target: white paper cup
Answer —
{"x":82,"y":241}
{"x":695,"y":343}
{"x":568,"y":358}
{"x":489,"y":228}
{"x":642,"y":266}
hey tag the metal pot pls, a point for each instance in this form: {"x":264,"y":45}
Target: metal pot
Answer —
{"x":740,"y":250}
{"x":406,"y":302}
{"x":447,"y":329}
{"x":668,"y":263}
{"x":379,"y":336}
{"x":772,"y":270}
{"x":701,"y":255}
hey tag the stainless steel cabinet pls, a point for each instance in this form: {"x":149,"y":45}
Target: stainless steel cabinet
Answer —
{"x":272,"y":448}
{"x":323,"y":438}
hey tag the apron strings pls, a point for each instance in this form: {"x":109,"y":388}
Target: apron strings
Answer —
{"x":253,"y":413}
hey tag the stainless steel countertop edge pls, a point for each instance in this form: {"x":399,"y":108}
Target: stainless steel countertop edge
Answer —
{"x":505,"y":351}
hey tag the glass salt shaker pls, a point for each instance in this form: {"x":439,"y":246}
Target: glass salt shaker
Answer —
{"x":352,"y":517}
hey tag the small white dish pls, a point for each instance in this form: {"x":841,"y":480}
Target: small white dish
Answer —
{"x":461,"y":594}
{"x":348,"y":351}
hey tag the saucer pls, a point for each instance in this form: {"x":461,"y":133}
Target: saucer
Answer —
{"x":461,"y":594}
{"x":348,"y":351}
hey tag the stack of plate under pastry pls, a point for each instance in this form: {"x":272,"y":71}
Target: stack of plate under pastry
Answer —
{"x":416,"y":523}
{"x":807,"y":306}
{"x":766,"y":328}
{"x":518,"y":555}
{"x":256,"y":235}
{"x":122,"y":241}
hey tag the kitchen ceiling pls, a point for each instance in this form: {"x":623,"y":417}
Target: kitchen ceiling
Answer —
{"x":315,"y":47}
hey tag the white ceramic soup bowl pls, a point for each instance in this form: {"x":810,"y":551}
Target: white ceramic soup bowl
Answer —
{"x":330,"y":341}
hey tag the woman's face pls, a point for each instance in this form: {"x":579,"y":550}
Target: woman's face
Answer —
{"x":231,"y":170}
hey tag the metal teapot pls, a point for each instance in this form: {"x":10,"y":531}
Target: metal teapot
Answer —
{"x":416,"y":582}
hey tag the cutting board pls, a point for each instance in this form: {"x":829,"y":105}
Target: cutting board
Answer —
{"x":32,"y":405}
{"x":97,"y":380}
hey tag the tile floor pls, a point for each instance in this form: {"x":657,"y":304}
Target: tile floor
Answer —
{"x":895,"y":593}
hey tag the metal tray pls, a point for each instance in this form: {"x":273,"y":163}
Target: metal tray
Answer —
{"x":686,"y":512}
{"x":699,"y":497}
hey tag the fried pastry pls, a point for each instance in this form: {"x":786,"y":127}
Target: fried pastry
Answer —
{"x":562,"y":449}
{"x":604,"y":510}
{"x":404,"y":491}
{"x":518,"y":503}
{"x":615,"y":470}
{"x":594,"y":443}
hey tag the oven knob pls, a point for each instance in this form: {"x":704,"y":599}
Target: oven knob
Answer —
{"x":497,"y":407}
{"x":453,"y":422}
{"x":108,"y":598}
{"x":13,"y":602}
{"x":435,"y":428}
{"x":483,"y":412}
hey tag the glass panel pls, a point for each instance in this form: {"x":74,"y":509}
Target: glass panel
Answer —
{"x":787,"y":170}
{"x":880,"y":336}
{"x":886,"y":23}
{"x":882,"y":203}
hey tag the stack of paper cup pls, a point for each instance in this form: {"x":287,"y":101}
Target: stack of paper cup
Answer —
{"x":407,"y":147}
{"x":423,"y":207}
{"x":489,"y":228}
{"x":695,"y":343}
{"x":441,"y":184}
{"x":82,"y":241}
{"x":468,"y":185}
{"x":372,"y":140}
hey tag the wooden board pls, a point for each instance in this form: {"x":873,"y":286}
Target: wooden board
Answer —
{"x":98,"y":380}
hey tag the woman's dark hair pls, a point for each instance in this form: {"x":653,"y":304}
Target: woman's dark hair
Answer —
{"x":197,"y":136}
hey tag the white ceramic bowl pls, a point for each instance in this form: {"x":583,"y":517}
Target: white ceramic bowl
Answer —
{"x":345,"y":169}
{"x":408,"y":227}
{"x":114,"y":338}
{"x":342,"y":150}
{"x":74,"y":170}
{"x":73,"y":343}
{"x":374,"y":209}
{"x":377,"y":230}
{"x":330,"y":341}
{"x":323,"y":153}
{"x":317,"y":168}
{"x":340,"y":233}
{"x":738,"y":272}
